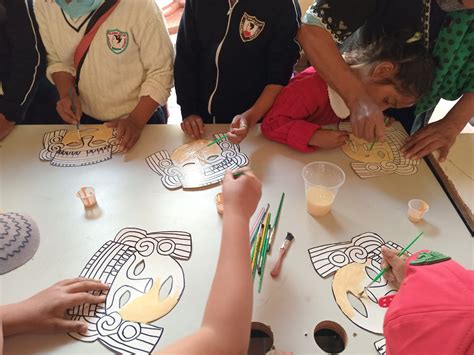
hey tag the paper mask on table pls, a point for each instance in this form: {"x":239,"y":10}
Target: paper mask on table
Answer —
{"x":64,"y":148}
{"x":146,"y":282}
{"x":19,"y":240}
{"x":195,"y":165}
{"x":384,"y":158}
{"x":354,"y":264}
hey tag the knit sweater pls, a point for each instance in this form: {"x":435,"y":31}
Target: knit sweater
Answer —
{"x":301,"y":108}
{"x":131,"y":56}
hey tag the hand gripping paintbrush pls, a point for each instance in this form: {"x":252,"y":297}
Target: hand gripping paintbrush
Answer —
{"x":384,"y":270}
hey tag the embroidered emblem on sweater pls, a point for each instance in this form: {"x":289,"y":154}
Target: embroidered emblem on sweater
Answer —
{"x":250,"y":27}
{"x":117,"y":41}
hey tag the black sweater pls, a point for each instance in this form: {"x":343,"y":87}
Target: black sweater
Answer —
{"x":21,"y":58}
{"x":225,"y":56}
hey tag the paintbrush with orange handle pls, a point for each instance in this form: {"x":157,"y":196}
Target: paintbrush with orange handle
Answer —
{"x":283,"y":249}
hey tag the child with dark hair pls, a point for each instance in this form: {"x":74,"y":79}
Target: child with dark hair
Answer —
{"x":396,"y":71}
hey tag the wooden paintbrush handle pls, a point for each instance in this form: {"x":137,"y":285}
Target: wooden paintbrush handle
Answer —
{"x":276,"y":269}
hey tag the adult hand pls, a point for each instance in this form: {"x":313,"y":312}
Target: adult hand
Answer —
{"x":396,"y":274}
{"x":128,"y":131}
{"x":241,"y":194}
{"x":5,"y":126}
{"x":45,"y":311}
{"x":65,"y":106}
{"x":238,"y":129}
{"x":193,"y":126}
{"x":329,"y":139}
{"x":439,"y":135}
{"x":367,"y":121}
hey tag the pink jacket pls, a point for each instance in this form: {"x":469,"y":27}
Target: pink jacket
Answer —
{"x":299,"y":111}
{"x":433,"y":313}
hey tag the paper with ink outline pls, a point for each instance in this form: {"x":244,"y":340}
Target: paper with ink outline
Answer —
{"x":104,"y":322}
{"x":174,"y":176}
{"x":328,"y":258}
{"x":396,"y":163}
{"x":19,"y":240}
{"x":91,"y":149}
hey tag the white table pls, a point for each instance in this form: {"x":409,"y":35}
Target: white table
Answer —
{"x":131,"y":195}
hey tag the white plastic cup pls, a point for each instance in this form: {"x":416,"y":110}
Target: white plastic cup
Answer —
{"x":322,"y":182}
{"x":87,"y":196}
{"x":417,"y":209}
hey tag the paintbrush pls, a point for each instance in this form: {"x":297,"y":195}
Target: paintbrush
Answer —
{"x":260,"y":222}
{"x":275,"y":223}
{"x":74,"y":109}
{"x":213,"y":142}
{"x":283,"y":249}
{"x":261,"y":271}
{"x":384,"y":270}
{"x":385,"y":121}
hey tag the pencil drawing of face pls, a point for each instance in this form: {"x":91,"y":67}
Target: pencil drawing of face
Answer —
{"x":71,"y":148}
{"x":146,"y":282}
{"x":196,"y":164}
{"x":383,"y":158}
{"x":354,"y":265}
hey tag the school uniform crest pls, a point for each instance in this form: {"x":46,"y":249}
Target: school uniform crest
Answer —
{"x":117,"y":41}
{"x":250,"y":27}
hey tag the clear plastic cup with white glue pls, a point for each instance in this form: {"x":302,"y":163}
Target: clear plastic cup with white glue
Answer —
{"x":417,"y":209}
{"x":322,"y":182}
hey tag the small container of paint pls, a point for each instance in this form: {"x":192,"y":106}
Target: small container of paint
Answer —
{"x":417,"y":209}
{"x":87,"y":196}
{"x":220,"y":203}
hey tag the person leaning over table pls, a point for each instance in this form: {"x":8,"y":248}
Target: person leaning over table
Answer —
{"x":328,"y":23}
{"x":21,"y":61}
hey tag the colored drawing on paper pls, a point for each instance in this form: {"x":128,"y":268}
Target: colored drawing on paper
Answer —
{"x":19,"y":240}
{"x":380,"y":346}
{"x":354,"y":264}
{"x":66,"y":148}
{"x":384,"y":158}
{"x":146,"y":282}
{"x":195,"y":165}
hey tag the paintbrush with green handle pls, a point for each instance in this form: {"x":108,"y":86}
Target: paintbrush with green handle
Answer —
{"x":212,"y":143}
{"x":384,"y":270}
{"x":375,"y":140}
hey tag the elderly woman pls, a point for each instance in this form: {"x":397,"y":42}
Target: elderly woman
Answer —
{"x":444,"y":26}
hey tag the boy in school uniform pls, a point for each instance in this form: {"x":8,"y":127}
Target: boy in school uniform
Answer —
{"x":21,"y":61}
{"x":123,"y":75}
{"x":232,"y":59}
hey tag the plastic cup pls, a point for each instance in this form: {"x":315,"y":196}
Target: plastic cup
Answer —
{"x":87,"y":196}
{"x":322,"y":182}
{"x":417,"y":209}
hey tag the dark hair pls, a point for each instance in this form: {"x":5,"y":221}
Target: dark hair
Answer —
{"x":414,"y":64}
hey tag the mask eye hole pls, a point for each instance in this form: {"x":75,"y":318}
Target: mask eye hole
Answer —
{"x":124,"y":298}
{"x":166,"y":288}
{"x":138,"y":269}
{"x":371,"y":273}
{"x":357,"y":304}
{"x":190,"y":163}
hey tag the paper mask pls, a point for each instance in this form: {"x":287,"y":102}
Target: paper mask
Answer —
{"x":146,"y":282}
{"x":354,"y":264}
{"x":65,"y":148}
{"x":384,"y":158}
{"x":195,"y":165}
{"x":19,"y":240}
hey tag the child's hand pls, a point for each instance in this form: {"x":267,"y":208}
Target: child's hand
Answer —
{"x":329,"y":139}
{"x":45,"y":311}
{"x":398,"y":266}
{"x":238,"y":129}
{"x":64,"y":109}
{"x":128,"y":131}
{"x":193,"y":126}
{"x":241,"y":194}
